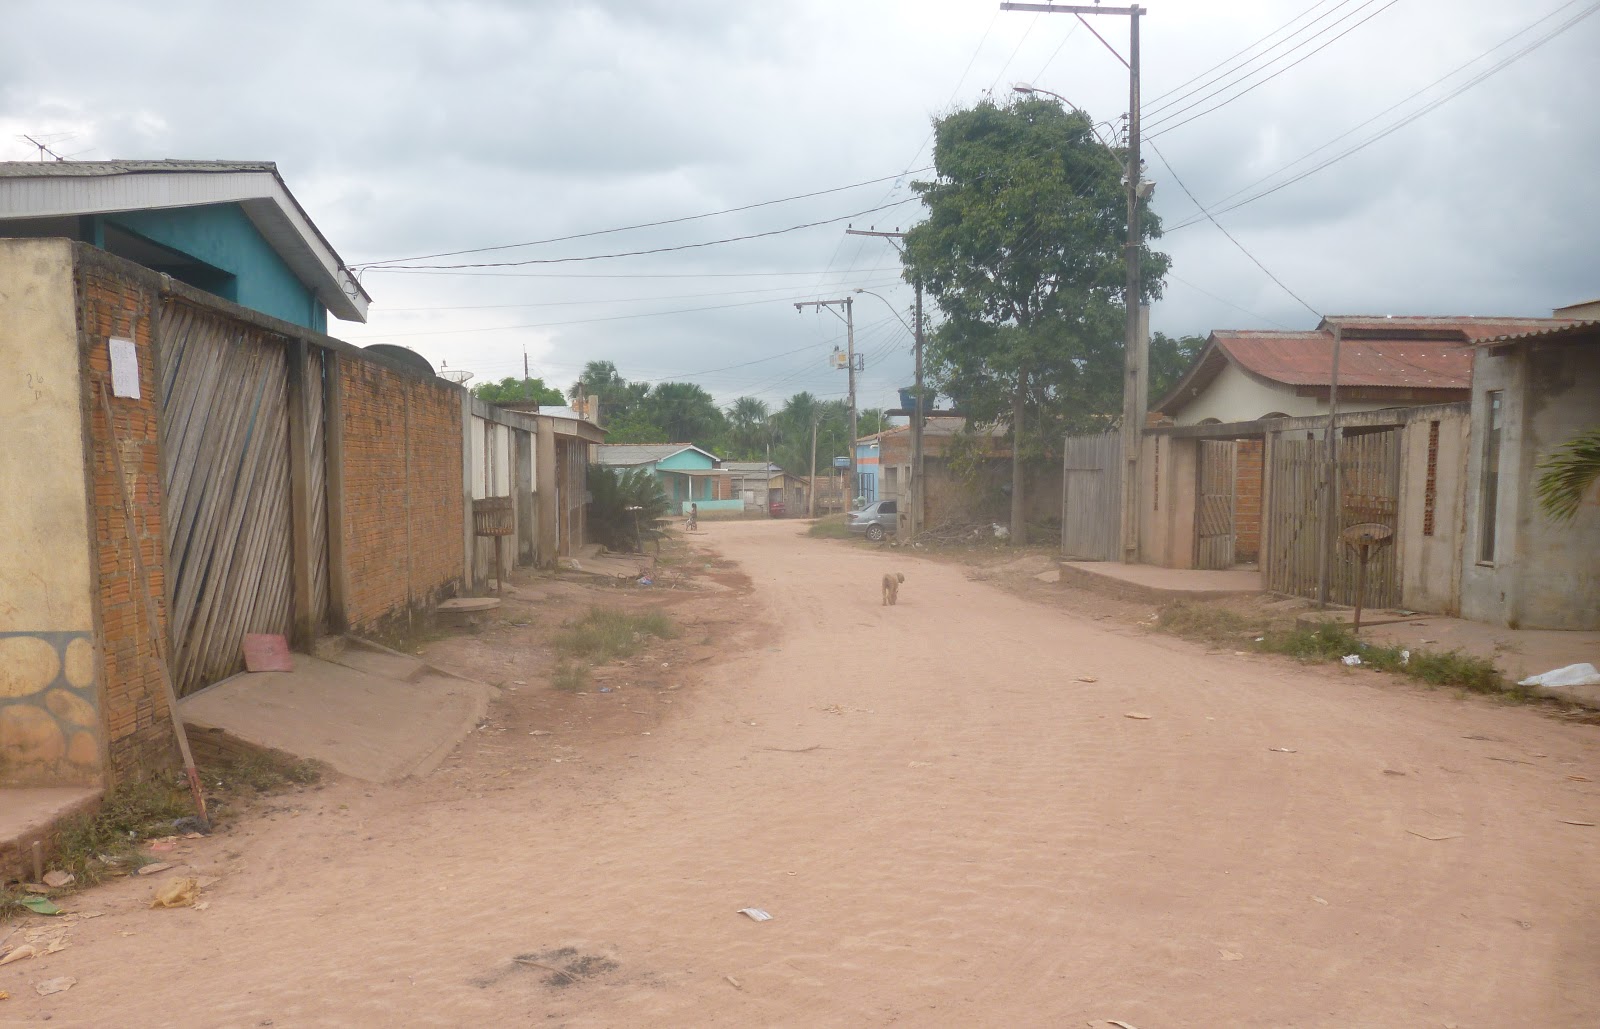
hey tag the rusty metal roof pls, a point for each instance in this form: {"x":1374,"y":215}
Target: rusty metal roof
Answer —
{"x":1469,"y":327}
{"x":1306,"y":359}
{"x":1552,"y":334}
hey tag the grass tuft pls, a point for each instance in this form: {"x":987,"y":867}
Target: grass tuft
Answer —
{"x":569,"y":678}
{"x":831,"y":527}
{"x":605,"y":634}
{"x":1330,"y":641}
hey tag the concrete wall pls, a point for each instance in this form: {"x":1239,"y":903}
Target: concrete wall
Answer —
{"x":50,"y":722}
{"x":1543,"y":575}
{"x":1236,"y":396}
{"x":223,"y":236}
{"x":1432,"y":510}
{"x":1167,"y":501}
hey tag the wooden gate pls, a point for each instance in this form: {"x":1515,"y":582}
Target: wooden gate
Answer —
{"x":1368,"y":490}
{"x":1091,"y":489}
{"x":1215,"y":504}
{"x":225,"y":468}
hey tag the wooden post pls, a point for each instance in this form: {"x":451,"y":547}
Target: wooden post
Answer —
{"x":301,"y":560}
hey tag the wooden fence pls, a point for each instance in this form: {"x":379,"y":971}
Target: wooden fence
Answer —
{"x":1091,"y":497}
{"x":1368,"y":484}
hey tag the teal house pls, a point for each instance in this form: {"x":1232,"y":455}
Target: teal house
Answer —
{"x":687,"y":474}
{"x":231,"y":228}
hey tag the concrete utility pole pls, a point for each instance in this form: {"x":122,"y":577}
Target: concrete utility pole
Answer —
{"x":811,"y":508}
{"x":848,"y":304}
{"x":1330,"y":481}
{"x":914,"y":487}
{"x":1134,"y":345}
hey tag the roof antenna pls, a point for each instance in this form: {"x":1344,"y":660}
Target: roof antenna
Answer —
{"x":43,"y":148}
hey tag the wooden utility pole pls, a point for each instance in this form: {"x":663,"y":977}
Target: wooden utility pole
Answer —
{"x":811,"y":508}
{"x":914,"y":487}
{"x":848,"y":304}
{"x":1134,"y":346}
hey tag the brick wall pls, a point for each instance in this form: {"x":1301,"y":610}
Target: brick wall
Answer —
{"x":138,"y":729}
{"x":1247,"y":508}
{"x":402,"y":495}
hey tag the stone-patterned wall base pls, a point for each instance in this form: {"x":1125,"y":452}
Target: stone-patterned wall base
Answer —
{"x":48,"y":715}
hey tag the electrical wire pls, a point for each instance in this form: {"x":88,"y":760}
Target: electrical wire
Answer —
{"x":578,"y":321}
{"x":1392,"y":107}
{"x":623,"y":275}
{"x":1165,"y":124}
{"x":1168,"y":100}
{"x":1254,"y":260}
{"x":656,"y":250}
{"x":1156,"y":100}
{"x":1413,"y":116}
{"x":641,"y":225}
{"x":585,"y":303}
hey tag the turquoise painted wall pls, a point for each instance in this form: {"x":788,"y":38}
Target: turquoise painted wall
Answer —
{"x":223,"y":236}
{"x":686,"y":459}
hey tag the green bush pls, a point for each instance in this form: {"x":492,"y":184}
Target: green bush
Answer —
{"x":628,"y":508}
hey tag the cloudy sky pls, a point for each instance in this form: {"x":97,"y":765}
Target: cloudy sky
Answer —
{"x":410,"y":129}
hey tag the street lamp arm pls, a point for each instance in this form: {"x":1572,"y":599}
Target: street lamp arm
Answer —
{"x":892,"y":308}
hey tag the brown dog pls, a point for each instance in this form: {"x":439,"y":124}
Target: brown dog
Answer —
{"x":891,"y":589}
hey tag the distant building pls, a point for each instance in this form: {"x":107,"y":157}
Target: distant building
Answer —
{"x":688,"y":475}
{"x":231,"y":228}
{"x":1245,"y":375}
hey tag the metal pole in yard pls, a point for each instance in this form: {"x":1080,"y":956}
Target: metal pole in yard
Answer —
{"x":1330,"y":479}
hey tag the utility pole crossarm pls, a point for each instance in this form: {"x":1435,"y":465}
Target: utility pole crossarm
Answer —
{"x":1069,"y":9}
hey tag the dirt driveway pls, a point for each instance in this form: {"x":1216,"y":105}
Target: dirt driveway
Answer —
{"x":953,"y":821}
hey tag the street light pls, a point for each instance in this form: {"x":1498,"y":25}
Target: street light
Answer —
{"x":1027,"y":90}
{"x":896,"y":310}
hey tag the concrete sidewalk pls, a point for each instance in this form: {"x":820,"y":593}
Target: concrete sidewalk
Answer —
{"x":367,"y":712}
{"x":1155,"y":585}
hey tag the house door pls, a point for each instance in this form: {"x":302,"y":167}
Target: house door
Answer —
{"x":1216,"y":504}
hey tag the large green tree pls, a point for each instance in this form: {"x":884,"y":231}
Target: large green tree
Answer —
{"x":512,"y":390}
{"x":1022,"y":252}
{"x":749,"y":436}
{"x":1170,"y":359}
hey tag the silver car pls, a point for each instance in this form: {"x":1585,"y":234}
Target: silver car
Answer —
{"x":876,"y":520}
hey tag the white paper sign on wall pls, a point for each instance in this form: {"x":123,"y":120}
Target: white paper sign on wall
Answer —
{"x":124,"y":368}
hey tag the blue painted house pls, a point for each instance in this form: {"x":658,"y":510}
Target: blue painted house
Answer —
{"x":231,"y":228}
{"x":688,"y":475}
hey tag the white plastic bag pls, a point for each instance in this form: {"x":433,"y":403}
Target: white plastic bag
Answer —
{"x":1571,"y":675}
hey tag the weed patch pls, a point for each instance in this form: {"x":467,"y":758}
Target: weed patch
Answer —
{"x":605,"y":634}
{"x":1330,"y":641}
{"x":569,"y":678}
{"x":831,"y":527}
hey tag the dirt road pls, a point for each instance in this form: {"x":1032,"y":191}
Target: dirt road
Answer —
{"x":953,"y":821}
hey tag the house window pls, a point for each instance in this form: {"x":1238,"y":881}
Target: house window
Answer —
{"x":1430,"y":491}
{"x":1489,"y":494}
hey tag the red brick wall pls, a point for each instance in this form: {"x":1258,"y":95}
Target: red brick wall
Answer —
{"x":403,"y":498}
{"x":1247,"y":509}
{"x":137,"y":726}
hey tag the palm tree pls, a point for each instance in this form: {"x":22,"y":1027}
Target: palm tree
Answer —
{"x":749,"y":428}
{"x":1567,"y":473}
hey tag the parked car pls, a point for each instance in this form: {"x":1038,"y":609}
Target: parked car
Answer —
{"x":876,"y":520}
{"x":775,"y":509}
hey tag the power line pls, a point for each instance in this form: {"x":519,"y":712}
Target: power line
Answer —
{"x":579,"y":321}
{"x":1169,"y":125}
{"x":623,"y":275}
{"x":1256,"y":261}
{"x":1408,"y":119}
{"x":1401,"y":103}
{"x":1180,"y":93}
{"x":1154,"y":101}
{"x":1224,"y":300}
{"x":584,"y":303}
{"x":657,"y":250}
{"x":641,"y":225}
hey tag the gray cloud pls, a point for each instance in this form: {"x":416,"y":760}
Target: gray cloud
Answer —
{"x":420,"y":127}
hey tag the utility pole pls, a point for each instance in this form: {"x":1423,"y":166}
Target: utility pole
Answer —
{"x":527,"y":380}
{"x":1134,"y":345}
{"x":914,"y":487}
{"x":850,"y":362}
{"x":811,"y":507}
{"x":1330,"y":481}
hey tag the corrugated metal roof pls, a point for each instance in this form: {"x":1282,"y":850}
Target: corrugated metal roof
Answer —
{"x":45,"y":189}
{"x":1306,"y":359}
{"x":1470,"y":327}
{"x":1553,"y":334}
{"x":43,"y":169}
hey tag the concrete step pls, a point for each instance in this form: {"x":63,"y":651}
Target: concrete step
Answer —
{"x":29,"y":813}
